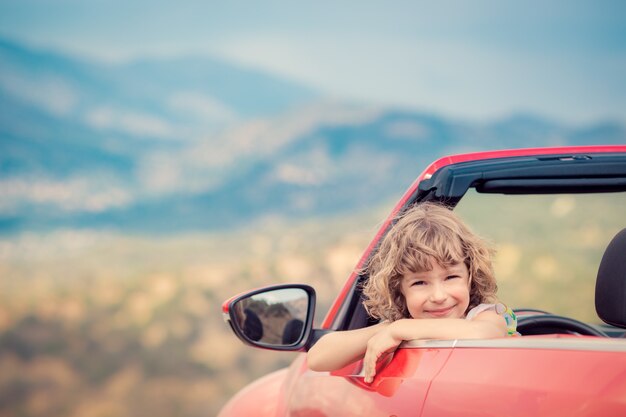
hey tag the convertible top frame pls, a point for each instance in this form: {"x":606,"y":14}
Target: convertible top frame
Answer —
{"x":554,"y":174}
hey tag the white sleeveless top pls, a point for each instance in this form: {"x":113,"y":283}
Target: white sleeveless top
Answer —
{"x":498,"y":308}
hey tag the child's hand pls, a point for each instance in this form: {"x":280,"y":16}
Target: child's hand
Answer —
{"x":378,"y":347}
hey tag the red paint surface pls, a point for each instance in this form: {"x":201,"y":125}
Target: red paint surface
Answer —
{"x":260,"y":399}
{"x":445,"y":382}
{"x":516,"y":382}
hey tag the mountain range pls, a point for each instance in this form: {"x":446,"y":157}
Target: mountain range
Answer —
{"x":170,"y":145}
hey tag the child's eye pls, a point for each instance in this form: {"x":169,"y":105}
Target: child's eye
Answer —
{"x":418,"y":283}
{"x":452,"y":276}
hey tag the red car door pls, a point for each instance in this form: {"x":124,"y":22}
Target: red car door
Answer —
{"x":399,"y":389}
{"x":531,"y":376}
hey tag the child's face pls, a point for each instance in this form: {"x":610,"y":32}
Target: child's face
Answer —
{"x":442,"y":292}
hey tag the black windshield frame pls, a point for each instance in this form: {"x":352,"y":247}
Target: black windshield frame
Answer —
{"x":554,"y":174}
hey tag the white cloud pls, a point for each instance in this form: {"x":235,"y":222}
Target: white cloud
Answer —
{"x":297,"y":175}
{"x":72,"y":195}
{"x":161,"y":173}
{"x":201,"y":106}
{"x":265,"y":136}
{"x":52,"y":94}
{"x":205,"y":164}
{"x":407,"y":129}
{"x":136,"y":123}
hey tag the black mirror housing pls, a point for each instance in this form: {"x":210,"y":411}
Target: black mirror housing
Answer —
{"x":279,"y":317}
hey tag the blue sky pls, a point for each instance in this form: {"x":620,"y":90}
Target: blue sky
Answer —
{"x":475,"y":60}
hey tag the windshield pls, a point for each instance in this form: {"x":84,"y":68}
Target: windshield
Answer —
{"x":548,"y":246}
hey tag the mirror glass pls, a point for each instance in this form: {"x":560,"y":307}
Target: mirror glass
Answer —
{"x":273,"y":317}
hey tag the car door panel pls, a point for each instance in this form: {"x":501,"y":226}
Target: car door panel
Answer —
{"x":399,"y":389}
{"x":525,"y":382}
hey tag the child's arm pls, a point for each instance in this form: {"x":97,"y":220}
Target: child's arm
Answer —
{"x":338,"y":349}
{"x":486,"y":325}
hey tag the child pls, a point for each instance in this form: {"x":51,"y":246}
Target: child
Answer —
{"x":430,"y":279}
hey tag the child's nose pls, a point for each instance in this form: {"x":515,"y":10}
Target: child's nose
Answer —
{"x":438,"y":294}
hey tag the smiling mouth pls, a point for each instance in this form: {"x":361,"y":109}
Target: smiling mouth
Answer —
{"x":440,"y":312}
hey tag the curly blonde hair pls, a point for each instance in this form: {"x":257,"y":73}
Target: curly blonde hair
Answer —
{"x":425,"y":233}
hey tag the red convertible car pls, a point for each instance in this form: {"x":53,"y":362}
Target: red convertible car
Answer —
{"x":561,"y":365}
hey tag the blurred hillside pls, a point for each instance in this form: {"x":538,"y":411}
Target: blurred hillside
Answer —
{"x":101,"y":324}
{"x":169,"y":146}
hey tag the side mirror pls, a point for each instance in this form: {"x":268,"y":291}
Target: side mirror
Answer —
{"x":278,"y":317}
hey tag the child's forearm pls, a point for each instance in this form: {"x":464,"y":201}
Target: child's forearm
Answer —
{"x":488,"y":326}
{"x":338,"y":349}
{"x":411,"y":329}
